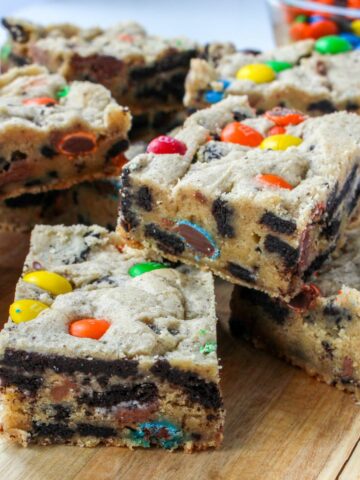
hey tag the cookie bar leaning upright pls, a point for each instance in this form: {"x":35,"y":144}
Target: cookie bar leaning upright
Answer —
{"x":309,"y":76}
{"x":318,"y":331}
{"x":54,"y":134}
{"x":143,"y":71}
{"x":103,"y":346}
{"x":257,"y":209}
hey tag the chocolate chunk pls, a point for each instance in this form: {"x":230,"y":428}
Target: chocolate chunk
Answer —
{"x":317,"y":262}
{"x":289,"y":254}
{"x":278,"y":224}
{"x":48,"y":152}
{"x":96,"y":68}
{"x":17,"y":155}
{"x":250,"y":51}
{"x":352,"y":107}
{"x":17,"y":32}
{"x":36,"y":362}
{"x":144,"y":198}
{"x":22,"y":382}
{"x":128,"y":218}
{"x":143,"y":72}
{"x":87,"y":430}
{"x":328,"y":349}
{"x":241,"y":272}
{"x":116,"y":149}
{"x":33,"y":183}
{"x":141,"y":393}
{"x":27,"y":199}
{"x":223,"y":215}
{"x":51,"y":430}
{"x":324,"y":106}
{"x":332,"y":229}
{"x":175,"y":59}
{"x":197,"y":389}
{"x":166,"y":241}
{"x":321,"y":67}
{"x":277,"y":310}
{"x":62,"y":412}
{"x":19,"y":60}
{"x":53,"y":174}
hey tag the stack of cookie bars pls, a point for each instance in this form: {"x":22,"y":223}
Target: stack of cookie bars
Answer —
{"x":112,"y":336}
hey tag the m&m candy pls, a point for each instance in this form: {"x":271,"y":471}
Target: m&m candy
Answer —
{"x":25,"y":310}
{"x":49,"y":281}
{"x":257,"y":73}
{"x":237,"y":132}
{"x":279,"y":66}
{"x":140,"y":268}
{"x":332,"y":44}
{"x":272,"y":180}
{"x":355,"y":27}
{"x":89,"y":328}
{"x":275,"y":130}
{"x":323,"y":27}
{"x":212,"y":96}
{"x":165,"y":144}
{"x":47,"y":101}
{"x":280,"y":142}
{"x":284,"y":116}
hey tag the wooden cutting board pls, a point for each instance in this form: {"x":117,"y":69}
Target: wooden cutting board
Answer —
{"x":280,"y":424}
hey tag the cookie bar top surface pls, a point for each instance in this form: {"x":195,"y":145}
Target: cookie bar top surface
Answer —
{"x":231,"y":170}
{"x":167,"y":312}
{"x":22,"y":89}
{"x":125,"y":41}
{"x":302,"y":78}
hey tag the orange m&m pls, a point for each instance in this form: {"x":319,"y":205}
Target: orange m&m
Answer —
{"x":237,"y":132}
{"x":276,"y":130}
{"x":48,"y":101}
{"x":272,"y":180}
{"x":89,"y":328}
{"x":284,"y":116}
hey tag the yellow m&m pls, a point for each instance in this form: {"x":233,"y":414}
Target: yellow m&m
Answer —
{"x":25,"y":310}
{"x":355,"y":27}
{"x":256,"y":72}
{"x":49,"y":281}
{"x":280,"y":142}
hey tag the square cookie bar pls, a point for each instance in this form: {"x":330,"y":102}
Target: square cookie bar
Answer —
{"x":105,"y":347}
{"x":258,"y":210}
{"x":319,"y":330}
{"x":55,"y":134}
{"x":144,"y":72}
{"x":309,"y":76}
{"x":87,"y":203}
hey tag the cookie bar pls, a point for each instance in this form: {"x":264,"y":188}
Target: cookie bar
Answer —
{"x":86,"y":203}
{"x":142,"y":71}
{"x":104,"y":347}
{"x":318,"y":331}
{"x":295,"y":76}
{"x":262,"y":216}
{"x":54,"y":134}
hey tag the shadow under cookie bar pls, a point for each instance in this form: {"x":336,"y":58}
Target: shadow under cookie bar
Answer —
{"x":87,"y":203}
{"x":319,"y":329}
{"x":209,"y":206}
{"x":151,"y":379}
{"x":54,"y":135}
{"x":298,"y":77}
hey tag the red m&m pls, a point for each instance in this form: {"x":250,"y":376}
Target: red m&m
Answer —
{"x":165,"y":144}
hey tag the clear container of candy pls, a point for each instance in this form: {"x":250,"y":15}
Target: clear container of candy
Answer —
{"x":295,"y":20}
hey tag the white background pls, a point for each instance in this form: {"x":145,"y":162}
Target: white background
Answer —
{"x":244,"y":22}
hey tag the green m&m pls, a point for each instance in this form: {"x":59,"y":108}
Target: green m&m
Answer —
{"x":140,"y":268}
{"x":332,"y":44}
{"x":279,"y":66}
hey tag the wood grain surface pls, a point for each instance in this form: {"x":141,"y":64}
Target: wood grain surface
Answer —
{"x":280,"y":424}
